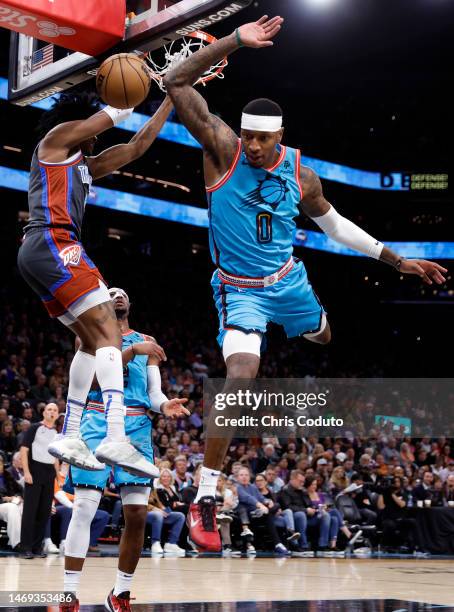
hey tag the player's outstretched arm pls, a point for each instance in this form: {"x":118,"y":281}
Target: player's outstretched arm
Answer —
{"x":120,"y":155}
{"x":337,"y":227}
{"x":218,"y":140}
{"x":66,"y":137}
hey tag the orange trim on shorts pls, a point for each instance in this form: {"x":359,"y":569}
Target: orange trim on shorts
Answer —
{"x":229,"y":173}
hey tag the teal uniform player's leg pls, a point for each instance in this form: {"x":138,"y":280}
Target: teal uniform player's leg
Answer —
{"x":93,"y":429}
{"x":138,"y":430}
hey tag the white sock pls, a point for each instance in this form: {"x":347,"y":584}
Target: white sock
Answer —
{"x":122,"y":583}
{"x":208,"y":482}
{"x":81,"y":375}
{"x":71,"y":581}
{"x":109,"y":372}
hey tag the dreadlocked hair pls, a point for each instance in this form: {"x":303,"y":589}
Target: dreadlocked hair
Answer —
{"x":68,"y":107}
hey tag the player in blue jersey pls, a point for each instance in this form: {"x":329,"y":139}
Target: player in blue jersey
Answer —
{"x":256,"y":187}
{"x":142,"y":384}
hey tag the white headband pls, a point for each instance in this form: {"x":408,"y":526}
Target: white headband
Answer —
{"x":261,"y":123}
{"x":116,"y":291}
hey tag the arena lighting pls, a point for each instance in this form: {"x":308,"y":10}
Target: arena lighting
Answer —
{"x":11,"y":178}
{"x":393,"y":181}
{"x":320,"y":3}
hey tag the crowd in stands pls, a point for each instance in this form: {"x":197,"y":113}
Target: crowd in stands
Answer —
{"x":275,"y":494}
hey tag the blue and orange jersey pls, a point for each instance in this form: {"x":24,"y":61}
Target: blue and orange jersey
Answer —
{"x":135,"y":375}
{"x":58,"y":192}
{"x":252,"y":212}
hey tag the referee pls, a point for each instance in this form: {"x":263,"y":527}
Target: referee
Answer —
{"x":40,"y":470}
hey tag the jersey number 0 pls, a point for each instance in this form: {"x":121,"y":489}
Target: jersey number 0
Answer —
{"x":264,"y":227}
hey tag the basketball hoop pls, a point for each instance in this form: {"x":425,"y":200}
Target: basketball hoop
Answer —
{"x":179,"y":50}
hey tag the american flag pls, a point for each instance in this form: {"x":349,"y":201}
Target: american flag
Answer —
{"x":42,"y":57}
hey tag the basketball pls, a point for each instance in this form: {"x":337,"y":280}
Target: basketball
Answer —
{"x":123,"y":80}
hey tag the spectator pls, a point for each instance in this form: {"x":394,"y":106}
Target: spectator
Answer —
{"x":195,"y":456}
{"x":283,"y":518}
{"x":16,"y":469}
{"x":294,"y":498}
{"x":449,"y":491}
{"x":437,"y":492}
{"x":22,"y":428}
{"x":182,"y":478}
{"x":10,"y":506}
{"x":4,"y":418}
{"x":165,"y":508}
{"x":324,"y":505}
{"x":8,"y":441}
{"x":224,"y":516}
{"x":266,"y":455}
{"x":392,"y":503}
{"x":406,"y":453}
{"x":40,"y":470}
{"x":362,"y":499}
{"x":185,"y":441}
{"x":41,"y":392}
{"x":424,"y":490}
{"x":188,"y":494}
{"x":252,"y":507}
{"x":199,"y":368}
{"x":274,"y":483}
{"x":338,"y":481}
{"x":389,"y":451}
{"x":447,"y":470}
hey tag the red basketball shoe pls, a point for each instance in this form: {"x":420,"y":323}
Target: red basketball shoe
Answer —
{"x":118,"y":603}
{"x":202,"y":526}
{"x":72,"y":606}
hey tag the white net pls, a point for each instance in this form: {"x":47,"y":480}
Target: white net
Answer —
{"x":176,"y":52}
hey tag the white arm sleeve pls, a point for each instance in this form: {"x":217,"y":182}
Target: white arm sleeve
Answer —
{"x":157,"y":397}
{"x":61,"y":497}
{"x":118,"y":114}
{"x":346,"y":232}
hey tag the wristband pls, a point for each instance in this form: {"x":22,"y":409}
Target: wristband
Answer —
{"x":238,"y":38}
{"x":133,"y":351}
{"x":118,"y":114}
{"x":399,"y":263}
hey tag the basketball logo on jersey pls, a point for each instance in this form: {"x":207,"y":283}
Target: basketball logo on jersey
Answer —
{"x":271,"y":190}
{"x":70,"y":255}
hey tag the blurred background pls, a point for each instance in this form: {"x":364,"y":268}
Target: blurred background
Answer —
{"x":363,"y":85}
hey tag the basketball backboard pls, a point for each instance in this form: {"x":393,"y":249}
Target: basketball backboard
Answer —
{"x":38,"y":69}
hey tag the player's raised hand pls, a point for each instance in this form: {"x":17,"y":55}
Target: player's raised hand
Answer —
{"x":150,"y":348}
{"x":259,"y":34}
{"x":173,"y":409}
{"x":429,"y":271}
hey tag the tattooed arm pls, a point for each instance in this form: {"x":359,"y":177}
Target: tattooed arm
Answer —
{"x":217,"y":139}
{"x":315,"y":206}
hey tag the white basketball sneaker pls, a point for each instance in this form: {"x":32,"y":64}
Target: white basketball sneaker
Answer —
{"x":123,"y":454}
{"x":174,"y":550}
{"x":75,"y":452}
{"x":156,"y":548}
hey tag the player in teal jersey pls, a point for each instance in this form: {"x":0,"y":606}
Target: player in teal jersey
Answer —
{"x":142,"y":384}
{"x":256,"y":187}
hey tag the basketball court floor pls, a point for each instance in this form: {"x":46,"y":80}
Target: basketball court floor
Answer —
{"x":262,"y":584}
